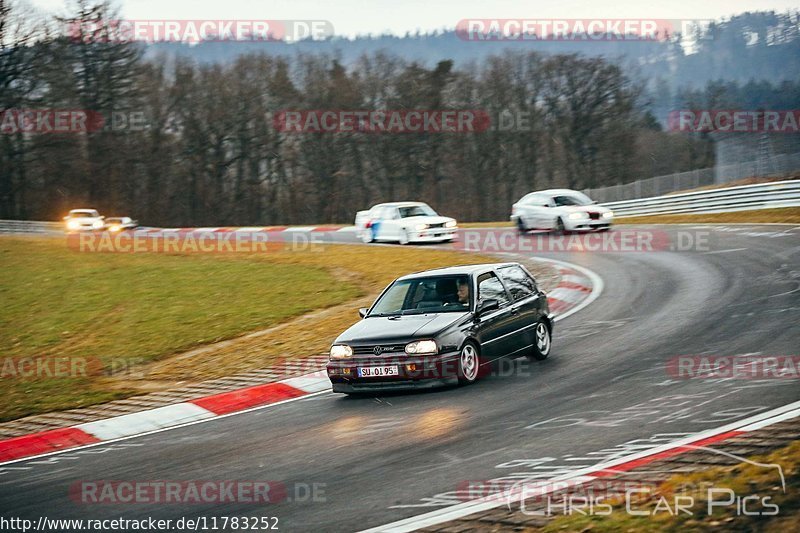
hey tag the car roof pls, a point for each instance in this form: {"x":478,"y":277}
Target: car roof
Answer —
{"x":554,"y":192}
{"x":399,"y":204}
{"x":82,"y":209}
{"x":458,"y":269}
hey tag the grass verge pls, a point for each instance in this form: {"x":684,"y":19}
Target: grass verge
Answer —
{"x":94,"y":312}
{"x":786,"y":215}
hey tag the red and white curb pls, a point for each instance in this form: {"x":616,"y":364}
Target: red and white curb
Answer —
{"x":169,"y":416}
{"x":578,"y":288}
{"x":585,"y":475}
{"x":253,"y":229}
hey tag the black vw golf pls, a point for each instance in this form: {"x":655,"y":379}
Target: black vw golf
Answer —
{"x":441,"y":327}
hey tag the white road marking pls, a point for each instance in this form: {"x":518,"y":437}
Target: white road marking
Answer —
{"x":725,"y":251}
{"x":597,"y":285}
{"x":461,"y":510}
{"x":144,"y":421}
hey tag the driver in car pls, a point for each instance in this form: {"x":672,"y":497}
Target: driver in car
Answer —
{"x":463,"y":291}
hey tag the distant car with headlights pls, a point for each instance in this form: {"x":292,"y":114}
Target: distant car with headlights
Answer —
{"x":441,"y":327}
{"x":115,"y":224}
{"x":404,"y":222}
{"x":560,"y":210}
{"x":84,"y":220}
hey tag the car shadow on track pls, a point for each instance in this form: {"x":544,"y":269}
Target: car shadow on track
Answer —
{"x":497,"y":373}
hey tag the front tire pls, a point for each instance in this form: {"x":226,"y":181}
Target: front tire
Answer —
{"x":521,"y":226}
{"x":469,"y":364}
{"x":560,"y":229}
{"x":542,"y":342}
{"x":404,"y":239}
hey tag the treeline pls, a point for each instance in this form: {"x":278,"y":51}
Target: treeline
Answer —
{"x":208,"y":153}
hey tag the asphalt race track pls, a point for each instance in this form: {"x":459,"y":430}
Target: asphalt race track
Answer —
{"x":375,"y":460}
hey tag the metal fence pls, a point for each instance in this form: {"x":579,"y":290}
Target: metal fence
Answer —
{"x":742,"y":198}
{"x":645,"y":188}
{"x":30,"y":226}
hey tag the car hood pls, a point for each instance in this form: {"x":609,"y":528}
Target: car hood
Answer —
{"x":428,"y":219}
{"x":594,"y":208}
{"x":378,"y":329}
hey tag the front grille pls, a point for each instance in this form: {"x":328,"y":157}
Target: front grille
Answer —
{"x":594,"y":216}
{"x":385,"y":349}
{"x":432,"y":226}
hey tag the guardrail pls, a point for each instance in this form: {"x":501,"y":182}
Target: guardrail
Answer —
{"x":741,"y":198}
{"x":30,"y":226}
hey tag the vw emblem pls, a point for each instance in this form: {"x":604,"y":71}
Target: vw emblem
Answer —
{"x":377,"y":350}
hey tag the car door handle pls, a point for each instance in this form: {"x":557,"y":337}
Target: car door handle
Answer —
{"x":514,"y":310}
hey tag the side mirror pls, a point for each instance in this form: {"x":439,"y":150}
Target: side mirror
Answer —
{"x":363,"y":312}
{"x":484,"y":306}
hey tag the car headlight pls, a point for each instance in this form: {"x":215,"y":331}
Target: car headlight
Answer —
{"x":114,"y":228}
{"x":97,"y":224}
{"x":420,"y":227}
{"x":421,"y":347}
{"x":608,"y":214}
{"x":341,"y":351}
{"x":73,"y":224}
{"x":577,"y":216}
{"x":451,"y":224}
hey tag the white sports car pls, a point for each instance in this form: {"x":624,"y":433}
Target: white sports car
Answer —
{"x":404,"y":222}
{"x":560,"y":210}
{"x":84,"y":220}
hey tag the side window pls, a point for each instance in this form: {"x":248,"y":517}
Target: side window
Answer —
{"x":519,"y":283}
{"x":535,"y":200}
{"x":489,"y":286}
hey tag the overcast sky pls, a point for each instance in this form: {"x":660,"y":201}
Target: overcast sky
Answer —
{"x":361,"y":17}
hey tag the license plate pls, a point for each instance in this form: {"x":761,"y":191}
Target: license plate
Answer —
{"x":377,"y":371}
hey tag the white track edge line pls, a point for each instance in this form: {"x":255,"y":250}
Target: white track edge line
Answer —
{"x":465,"y":509}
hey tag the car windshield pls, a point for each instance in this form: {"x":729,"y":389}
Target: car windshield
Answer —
{"x":572,"y":199}
{"x":435,"y":294}
{"x":416,"y":211}
{"x":114,"y":220}
{"x":82,"y":213}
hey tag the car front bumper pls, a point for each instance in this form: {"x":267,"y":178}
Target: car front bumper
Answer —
{"x":586,"y":224}
{"x":422,"y":372}
{"x":433,"y":235}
